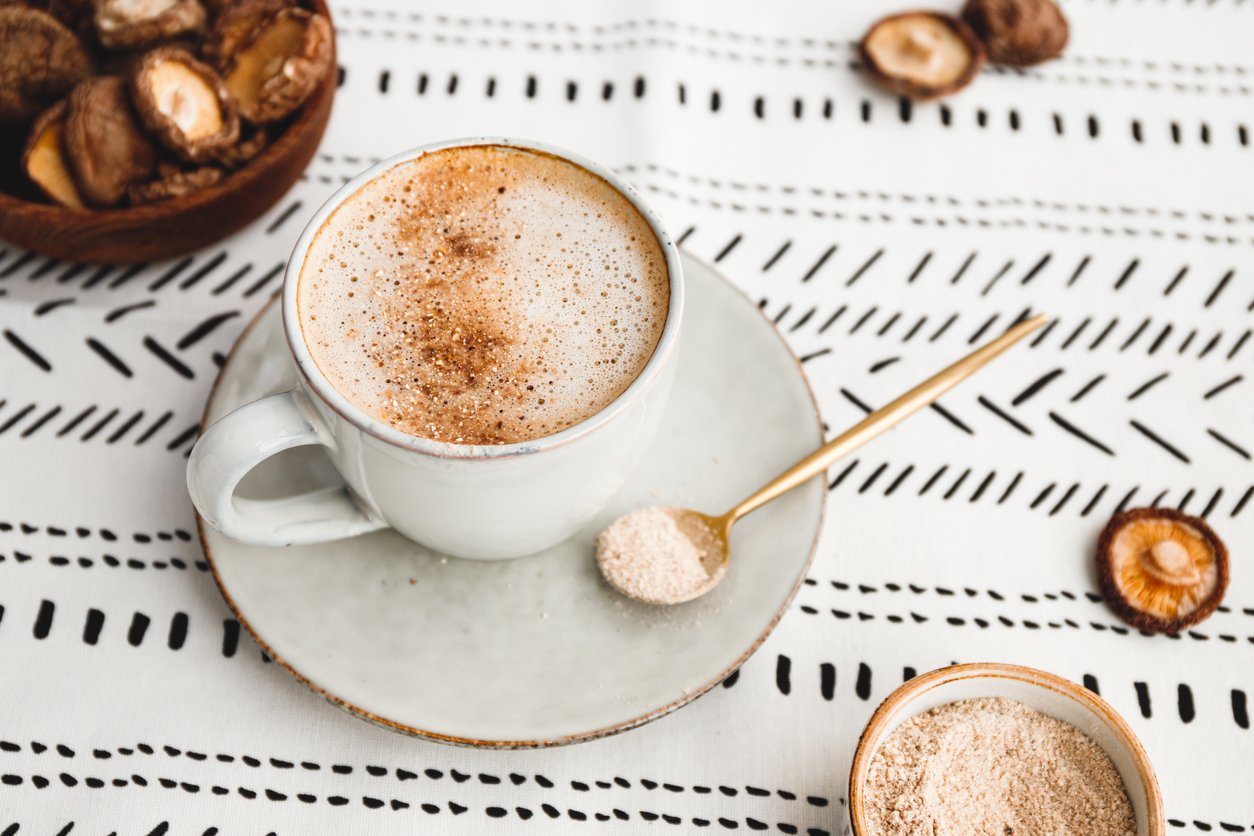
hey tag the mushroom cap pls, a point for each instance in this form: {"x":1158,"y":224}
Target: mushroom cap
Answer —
{"x":129,"y":24}
{"x":1018,"y":33}
{"x":272,"y":70}
{"x":1161,"y":570}
{"x":107,"y":148}
{"x":184,"y":104}
{"x":921,"y":54}
{"x":40,"y":61}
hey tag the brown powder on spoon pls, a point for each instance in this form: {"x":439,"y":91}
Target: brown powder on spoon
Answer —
{"x":658,"y":555}
{"x":993,"y":766}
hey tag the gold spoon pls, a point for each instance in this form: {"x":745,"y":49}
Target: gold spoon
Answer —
{"x":635,"y":558}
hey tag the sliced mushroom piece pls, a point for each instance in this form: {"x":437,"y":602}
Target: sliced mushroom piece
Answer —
{"x":40,"y":61}
{"x":104,"y":142}
{"x":184,"y":104}
{"x":127,"y":24}
{"x":44,"y":160}
{"x":1018,"y":33}
{"x":1161,"y":570}
{"x":280,"y":67}
{"x":922,"y":55}
{"x":176,"y":184}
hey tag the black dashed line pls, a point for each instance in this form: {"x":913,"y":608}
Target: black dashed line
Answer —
{"x":1076,"y":333}
{"x":1222,"y":386}
{"x":857,"y":274}
{"x":183,"y":437}
{"x":819,"y":264}
{"x":98,"y":426}
{"x":74,"y":422}
{"x":951,"y":418}
{"x":776,"y":257}
{"x":43,"y":620}
{"x":1080,"y":434}
{"x":164,"y":279}
{"x":39,"y":422}
{"x":1092,"y":503}
{"x":1146,"y":386}
{"x":209,"y":267}
{"x":1036,"y":386}
{"x":962,"y":269}
{"x":1036,"y":268}
{"x":264,"y":280}
{"x":156,"y":425}
{"x":731,"y":245}
{"x":27,"y":351}
{"x":1229,"y":443}
{"x":1171,"y":286}
{"x":993,"y":408}
{"x":169,"y":359}
{"x":283,"y":217}
{"x":1014,"y":483}
{"x":204,"y":329}
{"x":1105,"y":332}
{"x":109,"y":357}
{"x":139,"y":626}
{"x":121,"y":431}
{"x":997,"y":277}
{"x":918,"y":270}
{"x":1159,"y":440}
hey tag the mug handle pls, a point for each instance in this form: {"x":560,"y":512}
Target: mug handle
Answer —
{"x":244,"y":439}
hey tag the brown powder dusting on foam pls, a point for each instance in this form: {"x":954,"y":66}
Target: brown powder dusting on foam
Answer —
{"x":994,"y":767}
{"x":483,"y":295}
{"x":658,"y":555}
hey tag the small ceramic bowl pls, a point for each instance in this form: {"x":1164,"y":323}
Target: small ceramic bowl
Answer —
{"x":174,"y":227}
{"x":1044,"y":692}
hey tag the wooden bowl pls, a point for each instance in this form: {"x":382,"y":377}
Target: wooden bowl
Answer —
{"x":173,"y":227}
{"x":1045,"y":692}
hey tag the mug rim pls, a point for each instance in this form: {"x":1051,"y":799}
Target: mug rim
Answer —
{"x":354,"y":415}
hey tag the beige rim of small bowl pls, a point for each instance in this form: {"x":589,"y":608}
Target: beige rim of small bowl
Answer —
{"x":914,"y":688}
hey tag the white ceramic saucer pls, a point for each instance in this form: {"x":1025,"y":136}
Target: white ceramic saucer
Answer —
{"x":540,"y":651}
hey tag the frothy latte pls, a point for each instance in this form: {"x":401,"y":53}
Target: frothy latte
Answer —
{"x":483,"y":295}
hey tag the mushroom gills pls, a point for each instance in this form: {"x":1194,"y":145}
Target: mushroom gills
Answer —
{"x":264,"y":58}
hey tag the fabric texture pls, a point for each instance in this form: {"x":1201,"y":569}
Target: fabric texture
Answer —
{"x":1109,"y":188}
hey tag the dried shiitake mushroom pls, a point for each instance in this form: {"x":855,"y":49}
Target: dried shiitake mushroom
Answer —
{"x":75,"y":15}
{"x":234,"y":25}
{"x":184,"y":104}
{"x":1161,"y":570}
{"x":104,"y":142}
{"x":922,"y":55}
{"x":1018,"y":32}
{"x":44,"y":161}
{"x":176,"y":184}
{"x":279,"y":66}
{"x":40,"y":61}
{"x":127,"y":24}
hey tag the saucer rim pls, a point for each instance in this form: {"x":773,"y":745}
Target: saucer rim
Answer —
{"x":546,"y":743}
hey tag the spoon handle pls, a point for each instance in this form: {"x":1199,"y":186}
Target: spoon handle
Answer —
{"x":883,"y":418}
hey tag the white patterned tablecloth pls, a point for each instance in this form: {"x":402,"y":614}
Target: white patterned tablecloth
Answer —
{"x":1111,"y":189}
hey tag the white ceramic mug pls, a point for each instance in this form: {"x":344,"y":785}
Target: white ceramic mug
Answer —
{"x":479,"y":501}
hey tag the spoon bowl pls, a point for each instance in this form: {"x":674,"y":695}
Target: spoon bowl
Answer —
{"x":674,"y":555}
